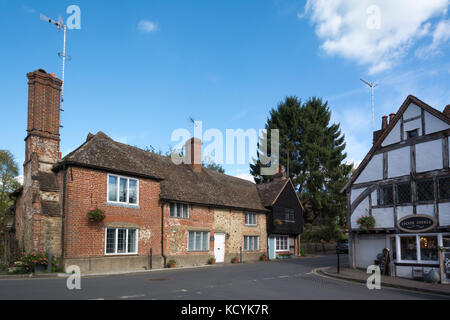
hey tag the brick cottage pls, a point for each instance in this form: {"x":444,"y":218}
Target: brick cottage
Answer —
{"x":183,"y":212}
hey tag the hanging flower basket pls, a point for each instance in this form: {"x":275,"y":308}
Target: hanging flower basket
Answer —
{"x":366,"y":222}
{"x":96,"y":214}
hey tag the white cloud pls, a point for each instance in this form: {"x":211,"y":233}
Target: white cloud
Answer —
{"x":440,"y":35}
{"x":245,"y":176}
{"x":374,"y":33}
{"x":147,"y":26}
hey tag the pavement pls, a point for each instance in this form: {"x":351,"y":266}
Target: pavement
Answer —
{"x":359,"y":275}
{"x":290,"y":279}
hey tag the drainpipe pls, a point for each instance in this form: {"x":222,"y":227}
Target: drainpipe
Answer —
{"x":63,"y":214}
{"x":162,"y":235}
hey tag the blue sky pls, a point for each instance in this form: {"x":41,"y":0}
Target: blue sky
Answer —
{"x":140,"y":69}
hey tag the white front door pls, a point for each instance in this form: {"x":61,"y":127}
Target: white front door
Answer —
{"x":219,"y":247}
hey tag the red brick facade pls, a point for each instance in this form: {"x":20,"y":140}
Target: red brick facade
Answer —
{"x":86,"y":189}
{"x":52,"y":208}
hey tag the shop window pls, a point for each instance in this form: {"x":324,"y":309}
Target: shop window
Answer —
{"x":386,"y":195}
{"x":425,"y":190}
{"x":446,"y":241}
{"x":444,"y":188}
{"x":408,"y":247}
{"x":429,"y":248}
{"x":404,"y":192}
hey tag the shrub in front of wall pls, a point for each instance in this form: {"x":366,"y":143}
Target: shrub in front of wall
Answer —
{"x":29,"y":261}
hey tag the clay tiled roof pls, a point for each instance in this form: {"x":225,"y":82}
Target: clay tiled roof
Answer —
{"x":178,"y":182}
{"x":269,"y":191}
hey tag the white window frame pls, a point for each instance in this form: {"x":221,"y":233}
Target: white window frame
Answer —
{"x":118,"y":188}
{"x":201,"y":240}
{"x":256,"y":238}
{"x":117,"y":240}
{"x":247,"y":219}
{"x":176,"y":210}
{"x":287,"y":243}
{"x":418,"y":253}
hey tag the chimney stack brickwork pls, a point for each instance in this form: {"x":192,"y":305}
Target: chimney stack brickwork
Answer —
{"x":194,"y":154}
{"x":37,"y":228}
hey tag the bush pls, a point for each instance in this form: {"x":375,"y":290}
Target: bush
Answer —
{"x":327,"y":232}
{"x":31,"y":260}
{"x":302,"y":253}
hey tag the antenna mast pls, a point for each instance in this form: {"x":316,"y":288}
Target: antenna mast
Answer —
{"x":61,"y":26}
{"x":372,"y":86}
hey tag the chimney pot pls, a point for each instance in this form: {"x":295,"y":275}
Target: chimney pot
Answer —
{"x":391,"y":117}
{"x":383,"y":122}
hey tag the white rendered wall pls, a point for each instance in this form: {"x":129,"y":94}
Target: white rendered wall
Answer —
{"x":355,"y":193}
{"x":434,"y":124}
{"x":427,"y":209}
{"x":393,"y":136}
{"x":399,"y":163}
{"x":361,"y":210}
{"x":403,"y":211}
{"x":444,"y":214}
{"x":429,"y":156}
{"x":373,"y":171}
{"x":384,"y":217}
{"x":412,"y":111}
{"x":374,"y":198}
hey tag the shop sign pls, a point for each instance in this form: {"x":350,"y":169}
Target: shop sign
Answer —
{"x":416,"y":223}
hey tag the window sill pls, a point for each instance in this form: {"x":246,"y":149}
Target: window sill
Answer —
{"x":185,"y":218}
{"x":122,"y":205}
{"x":251,"y":225}
{"x":120,"y":254}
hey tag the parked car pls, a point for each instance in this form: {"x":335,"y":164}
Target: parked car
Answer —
{"x":342,"y":246}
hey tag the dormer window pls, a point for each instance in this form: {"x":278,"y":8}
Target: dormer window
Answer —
{"x":412,"y":133}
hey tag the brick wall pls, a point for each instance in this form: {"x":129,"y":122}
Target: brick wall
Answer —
{"x":176,"y":230}
{"x":87,"y":189}
{"x":233,"y":222}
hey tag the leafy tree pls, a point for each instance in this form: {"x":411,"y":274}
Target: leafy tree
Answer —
{"x":214,"y":166}
{"x":314,"y":150}
{"x":286,"y":118}
{"x":8,"y":171}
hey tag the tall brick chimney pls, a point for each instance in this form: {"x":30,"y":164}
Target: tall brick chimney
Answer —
{"x":39,"y":221}
{"x":194,"y":153}
{"x":43,"y":116}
